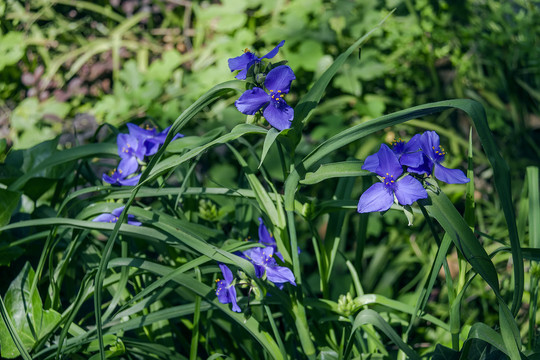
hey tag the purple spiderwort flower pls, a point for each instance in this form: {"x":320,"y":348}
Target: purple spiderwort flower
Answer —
{"x":226,"y":291}
{"x":262,"y":259}
{"x":268,"y":240}
{"x":149,"y":138}
{"x":248,"y":59}
{"x":380,"y":196}
{"x":408,"y":154}
{"x":119,"y":175}
{"x":129,"y":149}
{"x":113,"y":217}
{"x":433,"y":154}
{"x":275,"y":109}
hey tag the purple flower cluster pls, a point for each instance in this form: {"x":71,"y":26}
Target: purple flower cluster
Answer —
{"x":266,"y":89}
{"x":132,"y":148}
{"x":265,"y":265}
{"x":419,"y":157}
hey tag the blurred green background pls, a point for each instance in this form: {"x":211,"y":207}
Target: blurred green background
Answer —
{"x":67,"y":66}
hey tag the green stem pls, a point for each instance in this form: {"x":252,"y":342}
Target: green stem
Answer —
{"x":298,"y":309}
{"x":196,"y":318}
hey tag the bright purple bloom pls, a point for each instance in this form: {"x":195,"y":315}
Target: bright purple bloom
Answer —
{"x":226,"y":291}
{"x":118,"y":177}
{"x":113,"y":217}
{"x":263,"y":261}
{"x":248,"y":59}
{"x":408,"y":154}
{"x":268,"y":240}
{"x":275,"y":109}
{"x":127,"y":166}
{"x":380,"y":196}
{"x":129,"y":149}
{"x":149,"y":138}
{"x":433,"y":156}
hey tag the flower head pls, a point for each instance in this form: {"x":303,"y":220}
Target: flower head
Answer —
{"x":149,"y":138}
{"x":408,"y":154}
{"x":433,"y":155}
{"x":268,"y":240}
{"x":262,"y":259}
{"x":113,"y":217}
{"x":120,"y":178}
{"x":248,"y":59}
{"x":120,"y":175}
{"x":226,"y":291}
{"x":275,"y":109}
{"x":380,"y":196}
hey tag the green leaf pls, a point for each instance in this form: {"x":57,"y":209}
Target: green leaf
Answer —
{"x":350,"y":168}
{"x":12,"y":47}
{"x":174,"y":161}
{"x":270,"y":138}
{"x":26,"y":313}
{"x":65,"y":156}
{"x":8,"y":203}
{"x":440,"y":207}
{"x":444,"y":353}
{"x":371,"y":317}
{"x":534,"y":207}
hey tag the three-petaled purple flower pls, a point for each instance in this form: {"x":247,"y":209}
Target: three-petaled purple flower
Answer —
{"x":113,"y":217}
{"x":408,"y":154}
{"x":262,"y":259}
{"x":248,"y":59}
{"x":275,"y":109}
{"x":380,"y":196}
{"x":433,"y":155}
{"x":129,"y":150}
{"x":268,"y":240}
{"x":150,"y":140}
{"x":119,"y":176}
{"x":226,"y":292}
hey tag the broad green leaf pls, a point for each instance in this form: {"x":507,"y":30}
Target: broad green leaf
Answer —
{"x":8,"y":203}
{"x":483,"y":332}
{"x":444,"y":353}
{"x":65,"y":156}
{"x":27,"y":315}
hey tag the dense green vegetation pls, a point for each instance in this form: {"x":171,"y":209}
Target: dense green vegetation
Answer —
{"x":393,"y":286}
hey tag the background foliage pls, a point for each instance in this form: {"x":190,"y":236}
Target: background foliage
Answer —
{"x":73,"y":73}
